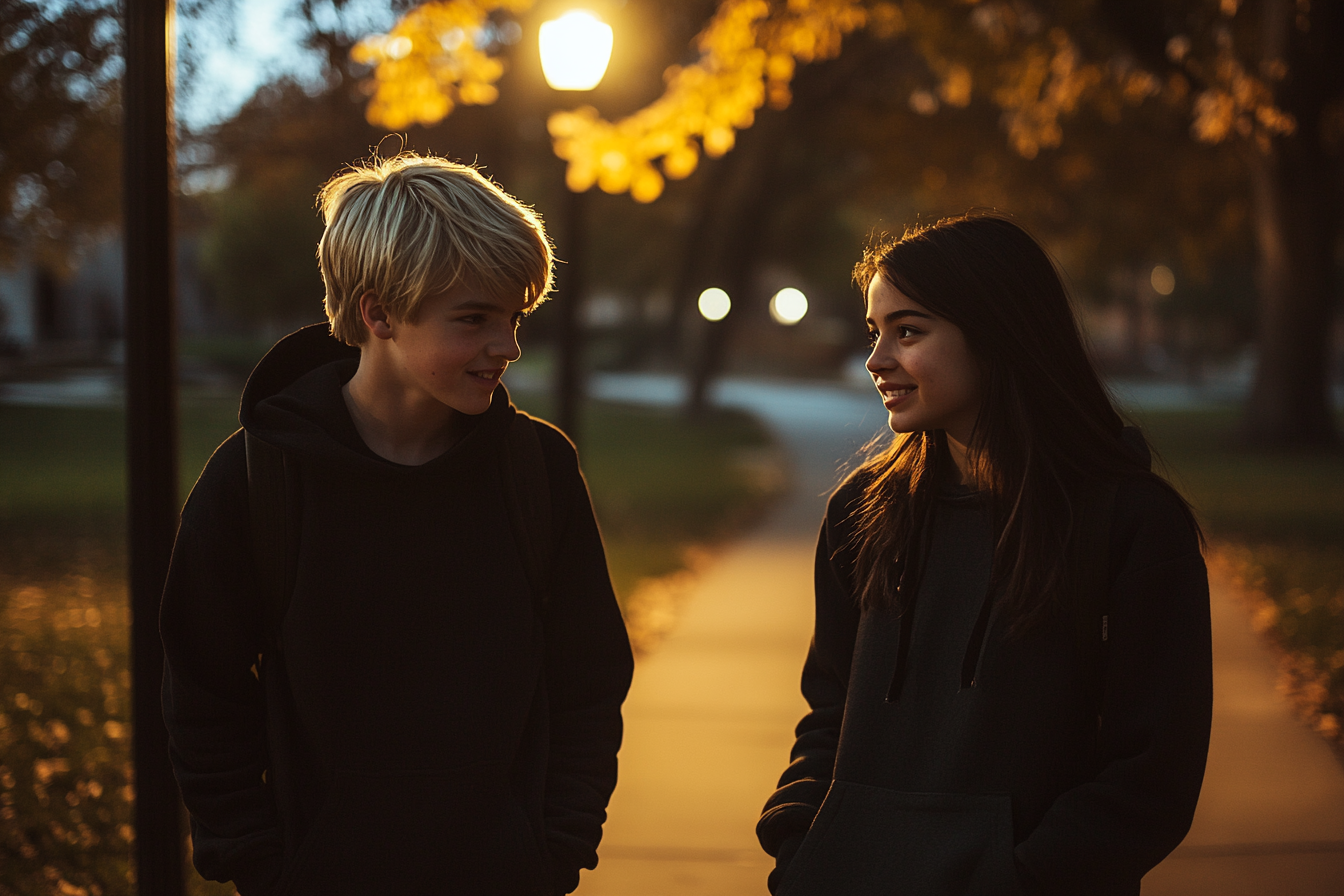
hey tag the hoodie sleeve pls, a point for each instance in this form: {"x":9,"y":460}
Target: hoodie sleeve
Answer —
{"x":791,"y":809}
{"x":210,"y":621}
{"x":588,"y":671}
{"x":1156,"y":711}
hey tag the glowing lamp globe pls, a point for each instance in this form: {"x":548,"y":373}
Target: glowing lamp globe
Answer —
{"x":575,"y":50}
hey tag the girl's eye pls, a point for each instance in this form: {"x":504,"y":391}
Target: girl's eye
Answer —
{"x":904,"y":332}
{"x":872,"y":338}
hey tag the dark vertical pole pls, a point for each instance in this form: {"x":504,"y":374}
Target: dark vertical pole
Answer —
{"x":709,"y":360}
{"x":151,"y":417}
{"x":569,"y":289}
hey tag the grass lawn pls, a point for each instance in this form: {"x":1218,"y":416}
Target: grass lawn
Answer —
{"x":662,"y":487}
{"x":1276,"y":522}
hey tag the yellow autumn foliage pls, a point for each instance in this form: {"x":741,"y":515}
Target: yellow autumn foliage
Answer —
{"x":431,"y":60}
{"x":1047,"y":83}
{"x":1239,"y":102}
{"x":749,"y":52}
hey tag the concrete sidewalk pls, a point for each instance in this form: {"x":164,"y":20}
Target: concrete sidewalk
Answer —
{"x":710,"y":717}
{"x":1271,"y":814}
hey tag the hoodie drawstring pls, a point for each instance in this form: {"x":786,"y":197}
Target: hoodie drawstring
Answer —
{"x":912,"y":569}
{"x":976,"y":645}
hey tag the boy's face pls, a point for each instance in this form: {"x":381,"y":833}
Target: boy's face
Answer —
{"x":458,"y":347}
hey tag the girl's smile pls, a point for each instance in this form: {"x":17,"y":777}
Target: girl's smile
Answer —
{"x":893,"y":394}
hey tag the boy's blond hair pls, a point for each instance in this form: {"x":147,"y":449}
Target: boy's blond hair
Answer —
{"x":411,"y":226}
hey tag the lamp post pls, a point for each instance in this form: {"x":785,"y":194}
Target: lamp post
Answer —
{"x":575,"y":49}
{"x":151,"y":418}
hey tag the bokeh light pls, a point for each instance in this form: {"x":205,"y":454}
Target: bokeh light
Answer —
{"x":714,"y":304}
{"x":1163,"y":280}
{"x":788,"y":306}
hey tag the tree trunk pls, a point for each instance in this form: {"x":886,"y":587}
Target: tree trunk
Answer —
{"x":1295,"y":190}
{"x":686,"y":333}
{"x":739,"y":220}
{"x":1295,"y":228}
{"x":742,"y":204}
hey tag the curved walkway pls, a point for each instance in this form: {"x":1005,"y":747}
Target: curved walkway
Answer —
{"x":710,"y":717}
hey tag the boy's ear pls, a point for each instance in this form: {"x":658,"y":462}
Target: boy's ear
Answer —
{"x":375,"y":315}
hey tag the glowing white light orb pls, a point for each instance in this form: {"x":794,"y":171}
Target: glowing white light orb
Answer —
{"x":788,"y":306}
{"x":715,"y":304}
{"x":1163,"y":280}
{"x":575,"y":50}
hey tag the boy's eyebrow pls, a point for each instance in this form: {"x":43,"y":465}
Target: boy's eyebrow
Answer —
{"x":904,"y":312}
{"x":478,"y":305}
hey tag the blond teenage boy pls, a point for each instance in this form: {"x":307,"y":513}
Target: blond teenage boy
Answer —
{"x":430,"y":713}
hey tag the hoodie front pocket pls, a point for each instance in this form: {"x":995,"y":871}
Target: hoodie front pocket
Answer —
{"x":868,"y":841}
{"x":418,"y":833}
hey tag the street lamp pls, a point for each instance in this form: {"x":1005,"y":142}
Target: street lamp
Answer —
{"x":575,"y":49}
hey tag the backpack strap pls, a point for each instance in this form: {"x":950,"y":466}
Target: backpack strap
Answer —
{"x":1091,"y":568}
{"x":1091,"y":558}
{"x":273,"y":512}
{"x":527,"y":493}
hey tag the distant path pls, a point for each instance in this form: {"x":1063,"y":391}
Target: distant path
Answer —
{"x":710,"y":717}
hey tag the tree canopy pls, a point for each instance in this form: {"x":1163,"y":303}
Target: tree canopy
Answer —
{"x":1261,"y":77}
{"x":60,"y":132}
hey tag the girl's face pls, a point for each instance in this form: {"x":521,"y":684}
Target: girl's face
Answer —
{"x":921,"y":365}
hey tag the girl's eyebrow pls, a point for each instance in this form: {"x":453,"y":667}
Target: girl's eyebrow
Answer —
{"x":904,"y":312}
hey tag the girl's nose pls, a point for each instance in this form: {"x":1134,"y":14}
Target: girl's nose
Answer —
{"x":877,"y":360}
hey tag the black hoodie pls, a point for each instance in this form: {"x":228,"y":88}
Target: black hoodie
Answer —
{"x":1018,"y":777}
{"x":427,"y":729}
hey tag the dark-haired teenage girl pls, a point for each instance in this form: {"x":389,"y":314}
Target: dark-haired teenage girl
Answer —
{"x":1010,"y":678}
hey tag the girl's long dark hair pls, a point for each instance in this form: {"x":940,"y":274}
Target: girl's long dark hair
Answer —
{"x":1046,"y":423}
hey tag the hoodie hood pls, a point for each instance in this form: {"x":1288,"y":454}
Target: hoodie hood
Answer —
{"x":293,"y":401}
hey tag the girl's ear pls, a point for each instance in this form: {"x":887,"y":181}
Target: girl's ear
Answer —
{"x":375,"y":315}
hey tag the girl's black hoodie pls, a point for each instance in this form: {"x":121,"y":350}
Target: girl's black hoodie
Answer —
{"x":1003,"y":765}
{"x":427,"y":729}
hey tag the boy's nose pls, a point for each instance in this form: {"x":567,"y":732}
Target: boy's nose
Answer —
{"x":507,"y":347}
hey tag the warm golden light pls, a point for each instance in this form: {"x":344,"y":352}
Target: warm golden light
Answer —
{"x":715,"y":304}
{"x":575,"y":50}
{"x":788,"y":306}
{"x":1163,"y":280}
